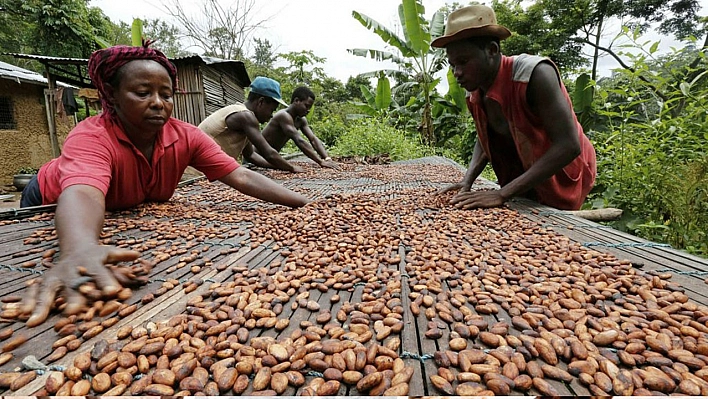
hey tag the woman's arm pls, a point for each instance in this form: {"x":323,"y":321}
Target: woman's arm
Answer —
{"x":79,"y":220}
{"x":261,"y":187}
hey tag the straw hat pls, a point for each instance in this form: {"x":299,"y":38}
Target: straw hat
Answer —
{"x":472,"y":21}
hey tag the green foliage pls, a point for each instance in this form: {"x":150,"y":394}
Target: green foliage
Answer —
{"x":166,"y":37}
{"x":353,"y":88}
{"x":27,"y":170}
{"x":376,"y":102}
{"x":583,"y":99}
{"x":263,"y":55}
{"x":298,"y":60}
{"x":328,"y":128}
{"x":418,"y":62}
{"x":582,"y":96}
{"x":536,"y":30}
{"x":66,"y":28}
{"x":560,"y":28}
{"x":371,"y":137}
{"x":652,"y":156}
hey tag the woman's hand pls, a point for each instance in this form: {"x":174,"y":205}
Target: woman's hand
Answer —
{"x":69,"y":273}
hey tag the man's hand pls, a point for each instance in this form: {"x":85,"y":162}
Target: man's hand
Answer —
{"x":298,"y":169}
{"x":478,"y":199}
{"x":452,"y":187}
{"x":328,"y":163}
{"x":65,"y":276}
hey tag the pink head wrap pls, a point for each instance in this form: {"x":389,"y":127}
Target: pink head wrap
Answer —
{"x":103,"y":65}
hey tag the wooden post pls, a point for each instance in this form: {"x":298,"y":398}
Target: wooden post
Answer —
{"x":86,"y":104}
{"x":599,"y":215}
{"x":51,"y":114}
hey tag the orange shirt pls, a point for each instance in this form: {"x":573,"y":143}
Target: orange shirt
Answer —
{"x":99,"y":154}
{"x":566,"y":189}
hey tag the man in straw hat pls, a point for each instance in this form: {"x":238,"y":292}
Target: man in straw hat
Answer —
{"x":525,"y":122}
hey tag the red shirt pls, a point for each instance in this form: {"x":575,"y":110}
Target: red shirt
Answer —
{"x":99,"y":154}
{"x":566,"y":189}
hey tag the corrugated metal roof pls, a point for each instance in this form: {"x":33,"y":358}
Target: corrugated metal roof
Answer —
{"x":206,"y":59}
{"x":59,"y":60}
{"x":20,"y":75}
{"x":239,"y":69}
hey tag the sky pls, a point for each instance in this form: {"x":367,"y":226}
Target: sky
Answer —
{"x":326,"y":27}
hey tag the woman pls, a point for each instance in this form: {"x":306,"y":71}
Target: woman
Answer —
{"x":133,"y":152}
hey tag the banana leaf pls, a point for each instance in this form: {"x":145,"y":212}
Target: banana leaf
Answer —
{"x":391,"y":73}
{"x":377,"y":55}
{"x":136,"y":32}
{"x":384,"y":33}
{"x":383,"y":94}
{"x":101,"y":42}
{"x":455,"y":91}
{"x":437,"y":25}
{"x":415,"y":27}
{"x":582,"y":98}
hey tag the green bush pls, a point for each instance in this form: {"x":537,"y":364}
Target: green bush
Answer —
{"x":652,"y":156}
{"x":370,"y":137}
{"x":328,"y":129}
{"x":27,"y":170}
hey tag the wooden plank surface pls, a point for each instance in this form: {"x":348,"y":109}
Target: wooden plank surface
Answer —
{"x":214,"y":237}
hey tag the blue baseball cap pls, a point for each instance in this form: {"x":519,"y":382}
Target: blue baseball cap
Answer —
{"x":267,"y":87}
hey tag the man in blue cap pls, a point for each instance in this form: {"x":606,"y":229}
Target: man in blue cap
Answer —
{"x":236,"y":127}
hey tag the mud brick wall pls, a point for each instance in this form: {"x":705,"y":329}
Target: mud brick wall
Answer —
{"x":28,"y":145}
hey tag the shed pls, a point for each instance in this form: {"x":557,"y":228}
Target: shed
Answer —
{"x":25,"y":139}
{"x":207,"y":84}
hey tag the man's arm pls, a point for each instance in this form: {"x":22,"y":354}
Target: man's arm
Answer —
{"x":247,"y":123}
{"x":79,"y":220}
{"x":477,"y":164}
{"x":317,"y":145}
{"x":314,"y":141}
{"x":546,"y":100}
{"x":250,"y":155}
{"x":261,"y":187}
{"x":287,"y":127}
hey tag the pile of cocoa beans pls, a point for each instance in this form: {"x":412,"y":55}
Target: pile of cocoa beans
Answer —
{"x":513,"y":306}
{"x":382,"y":173}
{"x":212,"y":350}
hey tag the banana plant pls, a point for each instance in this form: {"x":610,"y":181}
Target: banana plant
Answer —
{"x":378,"y":102}
{"x":582,"y":99}
{"x":415,"y":58}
